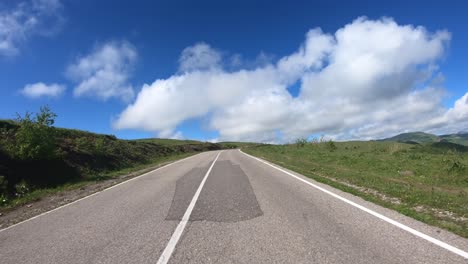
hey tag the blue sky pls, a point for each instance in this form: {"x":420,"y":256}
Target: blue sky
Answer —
{"x":236,"y":48}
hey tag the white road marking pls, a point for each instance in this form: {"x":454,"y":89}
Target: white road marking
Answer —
{"x":166,"y":255}
{"x":93,"y":194}
{"x":382,"y":217}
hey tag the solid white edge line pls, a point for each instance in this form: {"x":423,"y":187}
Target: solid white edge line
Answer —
{"x":369,"y":211}
{"x":93,"y":194}
{"x":166,"y":255}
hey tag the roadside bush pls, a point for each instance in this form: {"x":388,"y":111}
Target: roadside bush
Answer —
{"x":99,"y":145}
{"x":35,"y":137}
{"x":83,"y":144}
{"x":22,"y":188}
{"x":453,"y":162}
{"x":394,"y":148}
{"x":3,"y":188}
{"x":322,"y":139}
{"x":301,"y":142}
{"x":331,"y":145}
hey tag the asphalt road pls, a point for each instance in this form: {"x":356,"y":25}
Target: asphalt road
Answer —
{"x":225,"y":208}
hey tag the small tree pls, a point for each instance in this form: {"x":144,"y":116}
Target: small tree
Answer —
{"x":301,"y":142}
{"x":322,"y":138}
{"x":314,"y":140}
{"x":331,"y":145}
{"x":35,"y":138}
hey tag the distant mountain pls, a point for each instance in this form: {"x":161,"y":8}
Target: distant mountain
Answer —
{"x":460,"y":138}
{"x":419,"y":137}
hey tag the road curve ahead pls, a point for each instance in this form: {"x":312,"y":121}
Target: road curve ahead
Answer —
{"x":226,"y":207}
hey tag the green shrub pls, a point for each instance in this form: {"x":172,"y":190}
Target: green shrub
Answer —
{"x":22,"y":188}
{"x":301,"y":142}
{"x":3,"y":188}
{"x":99,"y":145}
{"x":84,"y":144}
{"x":331,"y":145}
{"x":35,"y":137}
{"x":322,"y":139}
{"x":453,"y":161}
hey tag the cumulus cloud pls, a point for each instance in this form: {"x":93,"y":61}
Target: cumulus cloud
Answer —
{"x":370,"y":79}
{"x":40,"y":89}
{"x":177,"y":135}
{"x":454,"y":119}
{"x":29,"y":18}
{"x":199,"y":57}
{"x":104,"y":73}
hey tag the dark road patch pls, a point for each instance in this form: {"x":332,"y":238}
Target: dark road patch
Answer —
{"x":185,"y":190}
{"x":227,"y":196}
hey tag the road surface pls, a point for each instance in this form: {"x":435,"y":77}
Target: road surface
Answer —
{"x":226,"y":207}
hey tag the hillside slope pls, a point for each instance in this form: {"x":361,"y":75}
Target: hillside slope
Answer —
{"x":460,"y":138}
{"x":79,"y":155}
{"x":421,"y":138}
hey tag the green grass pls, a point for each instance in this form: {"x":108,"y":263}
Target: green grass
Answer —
{"x":421,"y":181}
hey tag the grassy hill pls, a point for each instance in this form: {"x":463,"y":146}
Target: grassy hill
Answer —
{"x":418,"y":137}
{"x":421,"y":138}
{"x":74,"y":156}
{"x":460,"y":138}
{"x":169,"y":142}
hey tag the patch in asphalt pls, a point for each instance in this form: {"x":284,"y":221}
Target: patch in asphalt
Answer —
{"x":227,"y":196}
{"x":184,"y":192}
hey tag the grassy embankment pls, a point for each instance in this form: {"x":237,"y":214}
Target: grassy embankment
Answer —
{"x":428,"y":182}
{"x":76,"y":158}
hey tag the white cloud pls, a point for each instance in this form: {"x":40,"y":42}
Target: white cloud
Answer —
{"x":166,"y":103}
{"x":42,"y":90}
{"x":199,"y":57}
{"x":454,"y":120}
{"x":177,"y":135}
{"x":237,"y":62}
{"x":29,"y":18}
{"x":375,"y":58}
{"x":371,"y":79}
{"x":105,"y":72}
{"x":310,"y":56}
